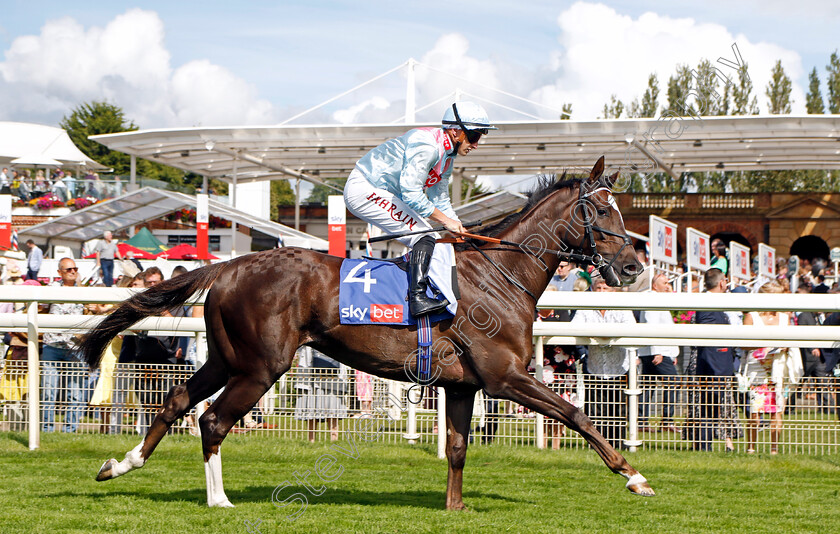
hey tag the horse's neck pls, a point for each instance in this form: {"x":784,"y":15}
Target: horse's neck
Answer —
{"x":538,"y":228}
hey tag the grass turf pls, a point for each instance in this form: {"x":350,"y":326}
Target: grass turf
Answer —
{"x":400,"y":488}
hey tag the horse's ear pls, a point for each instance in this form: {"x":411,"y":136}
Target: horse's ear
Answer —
{"x":611,"y":180}
{"x":597,"y":170}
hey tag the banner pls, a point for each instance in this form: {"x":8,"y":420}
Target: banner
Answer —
{"x":202,"y":219}
{"x":663,"y":240}
{"x":766,"y":261}
{"x":337,"y":225}
{"x":6,"y":221}
{"x":739,"y":261}
{"x":697,"y":245}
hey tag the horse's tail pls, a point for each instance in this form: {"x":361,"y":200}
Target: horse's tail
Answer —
{"x":152,"y":301}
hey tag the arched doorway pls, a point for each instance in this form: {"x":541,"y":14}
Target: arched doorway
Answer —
{"x":809,"y":247}
{"x":727,"y":237}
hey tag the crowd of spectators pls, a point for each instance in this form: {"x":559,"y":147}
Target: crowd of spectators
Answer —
{"x":64,"y":186}
{"x":727,"y":381}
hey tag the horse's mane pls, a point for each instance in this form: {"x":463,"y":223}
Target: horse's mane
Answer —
{"x":546,"y":185}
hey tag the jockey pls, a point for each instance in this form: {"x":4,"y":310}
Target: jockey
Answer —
{"x":405,"y":180}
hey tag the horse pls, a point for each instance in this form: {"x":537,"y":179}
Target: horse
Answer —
{"x":261,"y":307}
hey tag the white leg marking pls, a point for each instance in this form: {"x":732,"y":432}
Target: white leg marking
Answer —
{"x":215,"y":489}
{"x":132,"y":460}
{"x":635,"y":480}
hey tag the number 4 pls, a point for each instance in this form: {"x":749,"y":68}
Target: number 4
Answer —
{"x":367,"y":280}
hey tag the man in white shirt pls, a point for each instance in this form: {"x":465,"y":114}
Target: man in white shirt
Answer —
{"x":659,"y":360}
{"x":606,"y":369}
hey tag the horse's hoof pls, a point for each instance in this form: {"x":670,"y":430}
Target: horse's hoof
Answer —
{"x":221,"y":504}
{"x":642,"y":489}
{"x":106,"y":472}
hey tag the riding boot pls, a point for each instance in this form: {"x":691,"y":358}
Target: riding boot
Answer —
{"x":418,"y":268}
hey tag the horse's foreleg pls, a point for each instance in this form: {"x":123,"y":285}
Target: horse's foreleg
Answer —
{"x":459,"y":407}
{"x":240,"y":395}
{"x":528,"y":391}
{"x":180,"y":400}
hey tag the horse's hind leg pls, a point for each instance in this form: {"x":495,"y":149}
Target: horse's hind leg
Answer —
{"x":528,"y":391}
{"x":459,"y":407}
{"x":241,"y":394}
{"x":180,"y":400}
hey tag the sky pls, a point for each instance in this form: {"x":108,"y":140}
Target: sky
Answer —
{"x":184,"y":63}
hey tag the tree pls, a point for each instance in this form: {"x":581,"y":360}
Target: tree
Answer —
{"x":833,"y":82}
{"x":566,"y":112}
{"x":613,"y":109}
{"x":741,"y":103}
{"x":707,"y":99}
{"x":679,"y":87}
{"x":282,"y":194}
{"x":814,"y":100}
{"x":778,"y":91}
{"x":320,"y":193}
{"x":650,"y":98}
{"x":94,"y":118}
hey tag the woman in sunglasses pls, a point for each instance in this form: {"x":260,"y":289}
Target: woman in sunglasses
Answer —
{"x":404,"y":181}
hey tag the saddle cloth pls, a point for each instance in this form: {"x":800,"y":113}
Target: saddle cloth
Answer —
{"x":376,"y":291}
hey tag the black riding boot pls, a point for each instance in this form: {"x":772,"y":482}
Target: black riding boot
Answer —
{"x":419,"y":303}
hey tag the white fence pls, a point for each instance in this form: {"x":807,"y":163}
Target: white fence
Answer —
{"x":808,"y":428}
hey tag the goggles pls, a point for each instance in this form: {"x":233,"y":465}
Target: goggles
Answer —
{"x":472,"y":135}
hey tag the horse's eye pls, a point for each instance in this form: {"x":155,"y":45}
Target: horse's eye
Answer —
{"x":602,"y":212}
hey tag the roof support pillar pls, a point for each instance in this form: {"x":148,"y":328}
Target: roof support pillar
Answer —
{"x":297,"y":204}
{"x":457,"y":178}
{"x":132,"y":177}
{"x":233,"y":205}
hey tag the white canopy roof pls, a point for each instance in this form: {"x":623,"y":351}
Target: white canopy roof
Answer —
{"x":330,"y":151}
{"x":148,"y":204}
{"x":36,"y":144}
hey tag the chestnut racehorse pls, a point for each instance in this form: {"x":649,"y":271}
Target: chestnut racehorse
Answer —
{"x":263,"y":306}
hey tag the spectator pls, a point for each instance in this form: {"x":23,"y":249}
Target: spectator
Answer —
{"x":364,"y":391}
{"x":106,"y":251}
{"x":5,"y":182}
{"x":129,"y":255}
{"x":659,"y":360}
{"x":766,"y":369}
{"x":154,"y":351}
{"x":813,"y":361}
{"x":70,"y":182}
{"x":58,"y":348}
{"x":106,"y":393}
{"x":608,"y":368}
{"x":322,"y":389}
{"x":712,"y":362}
{"x":558,"y":374}
{"x":564,"y":278}
{"x":832,"y":358}
{"x":33,"y":260}
{"x":59,"y":189}
{"x":13,"y":382}
{"x":719,"y":260}
{"x":821,"y":286}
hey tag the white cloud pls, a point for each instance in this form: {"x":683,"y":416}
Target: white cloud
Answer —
{"x":603,"y":52}
{"x":126,"y":63}
{"x":353,"y":113}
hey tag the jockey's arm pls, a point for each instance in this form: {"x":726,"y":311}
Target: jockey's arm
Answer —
{"x":453,"y":225}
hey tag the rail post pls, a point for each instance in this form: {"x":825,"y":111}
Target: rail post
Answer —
{"x":538,"y":370}
{"x":441,"y":423}
{"x":632,"y":393}
{"x":33,"y":376}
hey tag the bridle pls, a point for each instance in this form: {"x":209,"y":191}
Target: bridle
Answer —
{"x":604,"y":267}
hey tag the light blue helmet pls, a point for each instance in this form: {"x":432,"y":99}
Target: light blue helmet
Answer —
{"x":467,"y":116}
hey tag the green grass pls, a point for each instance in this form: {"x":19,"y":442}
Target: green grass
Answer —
{"x":400,"y":488}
